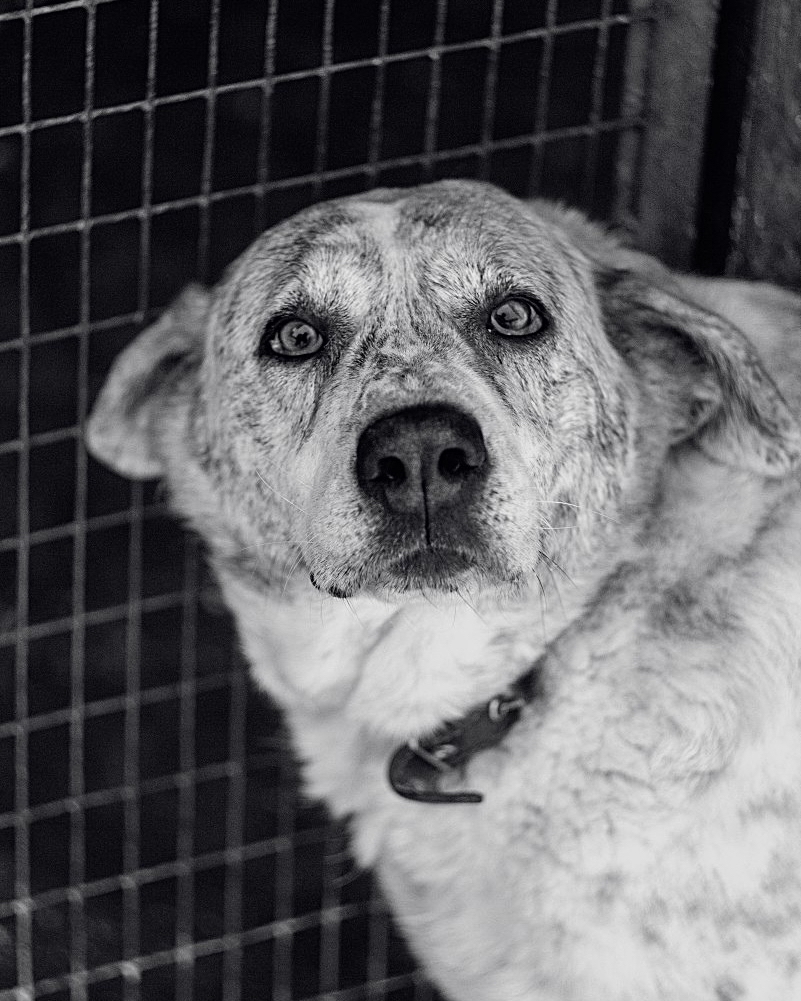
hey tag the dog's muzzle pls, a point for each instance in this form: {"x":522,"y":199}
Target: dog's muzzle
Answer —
{"x":422,"y":461}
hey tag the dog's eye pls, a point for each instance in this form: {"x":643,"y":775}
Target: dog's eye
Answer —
{"x":516,"y":317}
{"x":291,"y":338}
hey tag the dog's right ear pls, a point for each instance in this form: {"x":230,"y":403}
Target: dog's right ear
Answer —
{"x":122,"y":429}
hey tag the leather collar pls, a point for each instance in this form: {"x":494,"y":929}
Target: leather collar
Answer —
{"x":416,"y":768}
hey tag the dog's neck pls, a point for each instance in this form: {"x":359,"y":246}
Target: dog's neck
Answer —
{"x":398,"y":670}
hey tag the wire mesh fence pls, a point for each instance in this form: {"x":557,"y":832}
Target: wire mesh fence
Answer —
{"x":153,"y":843}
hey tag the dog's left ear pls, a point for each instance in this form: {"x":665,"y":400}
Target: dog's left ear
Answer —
{"x":739,"y":416}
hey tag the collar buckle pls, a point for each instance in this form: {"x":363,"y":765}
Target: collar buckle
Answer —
{"x":416,"y":768}
{"x":502,"y":705}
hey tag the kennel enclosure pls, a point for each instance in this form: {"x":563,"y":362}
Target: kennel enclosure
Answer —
{"x":153,"y":842}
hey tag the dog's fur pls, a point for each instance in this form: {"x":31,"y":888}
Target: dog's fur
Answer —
{"x":639,"y":531}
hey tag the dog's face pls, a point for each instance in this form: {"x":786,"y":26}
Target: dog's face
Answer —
{"x":402,"y":391}
{"x":411,"y":387}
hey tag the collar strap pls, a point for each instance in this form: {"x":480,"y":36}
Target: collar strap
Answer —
{"x":416,"y":768}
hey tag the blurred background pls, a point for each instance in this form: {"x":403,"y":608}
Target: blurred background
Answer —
{"x":153,"y":841}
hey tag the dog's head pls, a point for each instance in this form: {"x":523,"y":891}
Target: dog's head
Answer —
{"x":428,"y":389}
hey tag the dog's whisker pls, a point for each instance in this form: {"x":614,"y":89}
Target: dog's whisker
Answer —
{"x":278,"y":493}
{"x":289,"y":574}
{"x":469,"y":604}
{"x":353,"y":612}
{"x":557,"y":590}
{"x":551,"y":562}
{"x":543,"y":603}
{"x":582,"y":507}
{"x":262,"y":544}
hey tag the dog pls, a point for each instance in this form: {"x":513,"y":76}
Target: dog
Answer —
{"x":508,"y":517}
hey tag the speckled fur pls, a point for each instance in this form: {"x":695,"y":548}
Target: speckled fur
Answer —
{"x":640,"y":531}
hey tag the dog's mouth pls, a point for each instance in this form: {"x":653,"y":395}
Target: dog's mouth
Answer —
{"x":434,"y":567}
{"x":424,"y":568}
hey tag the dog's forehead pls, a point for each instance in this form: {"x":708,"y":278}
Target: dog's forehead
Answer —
{"x":404,"y":233}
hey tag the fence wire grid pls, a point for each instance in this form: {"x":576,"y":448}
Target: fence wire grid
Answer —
{"x":153,"y":843}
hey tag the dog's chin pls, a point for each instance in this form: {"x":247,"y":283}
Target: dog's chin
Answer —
{"x":424,"y":570}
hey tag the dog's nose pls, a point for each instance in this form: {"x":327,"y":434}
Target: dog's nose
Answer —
{"x":421,"y":458}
